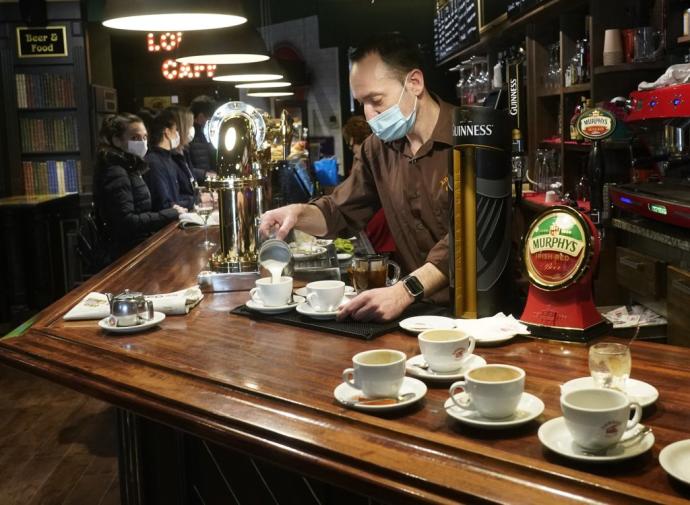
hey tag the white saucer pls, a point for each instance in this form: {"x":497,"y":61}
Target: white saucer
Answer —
{"x":638,"y":391}
{"x":488,"y":340}
{"x":278,"y":309}
{"x":530,"y":407}
{"x":344,"y":256}
{"x":346,"y":394}
{"x":349,"y":291}
{"x":105,"y":324}
{"x":472,"y":362}
{"x":418,"y":324}
{"x":305,"y":253}
{"x":555,"y":435}
{"x":307,"y":310}
{"x":675,"y":459}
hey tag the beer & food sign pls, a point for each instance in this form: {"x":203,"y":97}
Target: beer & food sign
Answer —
{"x":556,"y":249}
{"x":47,"y":42}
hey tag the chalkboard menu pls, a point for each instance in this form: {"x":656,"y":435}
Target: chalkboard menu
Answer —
{"x":456,"y":26}
{"x":491,"y":11}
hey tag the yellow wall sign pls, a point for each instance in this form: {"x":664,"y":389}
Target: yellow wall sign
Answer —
{"x":47,"y":42}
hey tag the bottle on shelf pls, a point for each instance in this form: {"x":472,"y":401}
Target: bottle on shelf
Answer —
{"x":579,"y":109}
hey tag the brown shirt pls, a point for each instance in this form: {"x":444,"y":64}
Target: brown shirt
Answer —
{"x":413,"y":191}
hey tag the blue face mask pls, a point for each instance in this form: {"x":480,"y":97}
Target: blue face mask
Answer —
{"x":391,"y":124}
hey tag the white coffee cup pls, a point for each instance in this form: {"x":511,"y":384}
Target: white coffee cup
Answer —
{"x":378,"y":373}
{"x":445,"y":350}
{"x":493,"y":390}
{"x":272,"y":294}
{"x":597,"y":418}
{"x":325,"y":296}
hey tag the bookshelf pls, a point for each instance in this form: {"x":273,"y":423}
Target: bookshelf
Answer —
{"x":49,"y":146}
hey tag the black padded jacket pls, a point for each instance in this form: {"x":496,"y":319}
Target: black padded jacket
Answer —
{"x":123,"y":201}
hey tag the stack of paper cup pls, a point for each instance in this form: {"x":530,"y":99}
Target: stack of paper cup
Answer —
{"x":613,"y":47}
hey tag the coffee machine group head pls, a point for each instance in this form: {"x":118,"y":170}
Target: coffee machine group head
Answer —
{"x":237,"y":131}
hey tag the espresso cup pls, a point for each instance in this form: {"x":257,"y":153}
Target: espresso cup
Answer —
{"x":493,"y":390}
{"x":597,"y":418}
{"x":378,"y":373}
{"x":325,"y":296}
{"x":272,"y":294}
{"x":445,"y":350}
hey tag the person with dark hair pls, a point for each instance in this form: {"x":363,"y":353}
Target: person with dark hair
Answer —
{"x":202,"y":152}
{"x":402,"y":168}
{"x":121,"y":197}
{"x":185,"y":175}
{"x":162,"y":178}
{"x":355,"y":131}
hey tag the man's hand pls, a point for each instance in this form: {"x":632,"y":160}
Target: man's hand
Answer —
{"x":280,"y":221}
{"x":381,"y":304}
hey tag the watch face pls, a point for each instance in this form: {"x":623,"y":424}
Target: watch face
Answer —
{"x":414,"y":286}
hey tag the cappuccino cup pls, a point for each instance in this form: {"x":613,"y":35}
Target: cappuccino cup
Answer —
{"x":378,"y":373}
{"x":325,"y":296}
{"x":492,"y":390}
{"x":272,"y":294}
{"x":597,"y":418}
{"x":445,"y":350}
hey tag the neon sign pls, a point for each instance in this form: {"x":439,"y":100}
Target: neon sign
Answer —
{"x":166,"y":41}
{"x":173,"y":70}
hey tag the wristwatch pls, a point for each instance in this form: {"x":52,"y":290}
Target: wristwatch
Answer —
{"x":414,"y":287}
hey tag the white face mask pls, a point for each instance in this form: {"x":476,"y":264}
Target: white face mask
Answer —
{"x":190,"y":135}
{"x":175,"y":141}
{"x":137,"y":147}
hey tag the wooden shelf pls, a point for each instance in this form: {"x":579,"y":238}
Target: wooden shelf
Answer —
{"x":549,"y":92}
{"x":510,"y":27}
{"x":683,"y":40}
{"x":578,"y":88}
{"x":47,"y":109}
{"x":627,"y":67}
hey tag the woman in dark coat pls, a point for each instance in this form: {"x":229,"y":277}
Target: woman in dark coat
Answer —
{"x":121,"y":197}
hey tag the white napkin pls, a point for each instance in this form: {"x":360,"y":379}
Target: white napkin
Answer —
{"x":95,"y":305}
{"x":194,"y":219}
{"x":491,"y":328}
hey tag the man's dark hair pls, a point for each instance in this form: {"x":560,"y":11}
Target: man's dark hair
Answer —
{"x":203,"y":104}
{"x":396,"y":51}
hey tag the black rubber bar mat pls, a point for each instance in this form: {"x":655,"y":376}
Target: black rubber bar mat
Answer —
{"x":350,"y":328}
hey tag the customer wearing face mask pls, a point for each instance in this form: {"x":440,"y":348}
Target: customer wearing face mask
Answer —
{"x":121,"y":197}
{"x":401,"y":168}
{"x":162,"y":178}
{"x":185,"y":175}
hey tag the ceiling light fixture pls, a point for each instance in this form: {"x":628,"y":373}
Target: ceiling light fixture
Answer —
{"x":171,"y":15}
{"x":254,"y":72}
{"x":277,"y":84}
{"x":266,"y":94}
{"x":227,"y":46}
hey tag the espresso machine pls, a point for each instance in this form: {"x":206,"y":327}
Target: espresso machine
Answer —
{"x":660,"y":154}
{"x":237,"y":130}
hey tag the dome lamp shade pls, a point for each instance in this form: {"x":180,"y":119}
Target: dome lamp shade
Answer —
{"x":232,"y":46}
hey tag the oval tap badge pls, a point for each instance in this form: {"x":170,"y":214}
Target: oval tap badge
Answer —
{"x":557,"y":251}
{"x":596,"y":124}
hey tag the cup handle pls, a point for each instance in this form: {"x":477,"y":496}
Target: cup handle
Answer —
{"x":255,"y":297}
{"x":659,"y":44}
{"x":470,"y":349}
{"x":396,"y":273}
{"x":349,"y":378}
{"x":310,"y":297}
{"x":636,"y":417}
{"x":451,"y":391}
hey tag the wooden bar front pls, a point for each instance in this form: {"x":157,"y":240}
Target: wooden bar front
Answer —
{"x":266,"y":390}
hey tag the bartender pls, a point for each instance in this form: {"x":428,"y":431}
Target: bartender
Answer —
{"x":402,"y":168}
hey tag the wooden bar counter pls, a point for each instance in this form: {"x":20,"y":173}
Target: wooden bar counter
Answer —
{"x":265,"y":391}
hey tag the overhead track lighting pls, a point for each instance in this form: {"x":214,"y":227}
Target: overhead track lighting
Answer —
{"x":220,"y":47}
{"x":172,"y":15}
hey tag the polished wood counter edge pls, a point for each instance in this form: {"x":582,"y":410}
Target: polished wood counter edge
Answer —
{"x":229,"y":379}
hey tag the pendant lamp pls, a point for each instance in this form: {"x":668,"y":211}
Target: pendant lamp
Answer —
{"x":267,"y":94}
{"x":267,"y":70}
{"x":226,"y":46}
{"x":260,"y":85}
{"x":172,"y":15}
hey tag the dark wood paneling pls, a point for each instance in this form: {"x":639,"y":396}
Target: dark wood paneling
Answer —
{"x":266,"y":390}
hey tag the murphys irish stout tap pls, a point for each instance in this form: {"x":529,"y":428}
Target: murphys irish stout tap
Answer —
{"x":480,"y":227}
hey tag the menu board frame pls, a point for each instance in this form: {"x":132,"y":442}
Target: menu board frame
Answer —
{"x":487,"y":24}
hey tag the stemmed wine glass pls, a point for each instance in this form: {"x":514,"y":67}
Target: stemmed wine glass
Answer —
{"x":204,"y":204}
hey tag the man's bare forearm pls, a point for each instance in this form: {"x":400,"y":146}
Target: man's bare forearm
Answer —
{"x":310,"y":220}
{"x":431,"y":278}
